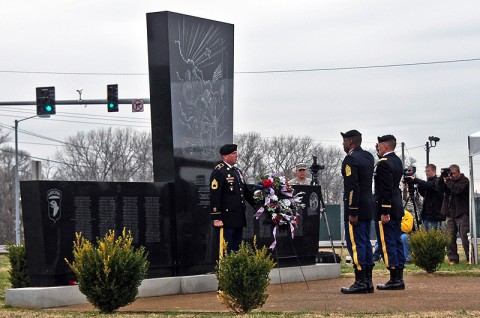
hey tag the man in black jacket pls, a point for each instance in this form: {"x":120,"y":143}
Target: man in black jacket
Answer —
{"x":456,"y":208}
{"x":389,"y":210}
{"x":228,"y":193}
{"x":357,"y":172}
{"x":432,"y":192}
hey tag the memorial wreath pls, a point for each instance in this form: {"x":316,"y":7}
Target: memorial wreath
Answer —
{"x":275,"y":197}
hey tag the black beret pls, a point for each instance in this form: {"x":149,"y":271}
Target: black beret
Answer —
{"x":386,"y":138}
{"x":351,"y":133}
{"x":228,"y":149}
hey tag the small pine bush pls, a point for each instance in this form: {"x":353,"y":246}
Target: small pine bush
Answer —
{"x":110,"y":273}
{"x":243,"y":277}
{"x":18,"y":266}
{"x":428,"y":248}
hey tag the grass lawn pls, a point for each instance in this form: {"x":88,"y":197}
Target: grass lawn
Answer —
{"x":445,"y":269}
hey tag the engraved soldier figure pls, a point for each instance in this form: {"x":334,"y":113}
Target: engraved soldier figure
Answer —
{"x":228,"y":193}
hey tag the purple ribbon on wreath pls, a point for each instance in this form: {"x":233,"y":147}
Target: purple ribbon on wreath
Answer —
{"x":274,"y":244}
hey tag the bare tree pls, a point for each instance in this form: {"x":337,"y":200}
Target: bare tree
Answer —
{"x":330,"y":178}
{"x":7,"y":185}
{"x":106,"y":155}
{"x":251,"y":148}
{"x":284,"y":152}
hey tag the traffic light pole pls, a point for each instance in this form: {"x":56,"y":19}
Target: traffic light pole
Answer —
{"x":17,"y":184}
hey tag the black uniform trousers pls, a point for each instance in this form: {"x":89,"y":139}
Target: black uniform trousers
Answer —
{"x":390,"y":243}
{"x":359,"y":245}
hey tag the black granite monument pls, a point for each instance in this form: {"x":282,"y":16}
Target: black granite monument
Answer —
{"x":191,"y":95}
{"x":54,"y":210}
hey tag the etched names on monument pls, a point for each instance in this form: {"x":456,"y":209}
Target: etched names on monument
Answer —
{"x":106,"y":214}
{"x":130,"y":216}
{"x":152,"y":220}
{"x":83,"y":216}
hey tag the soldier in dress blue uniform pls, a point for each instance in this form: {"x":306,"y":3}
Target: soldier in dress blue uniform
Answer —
{"x":357,"y":172}
{"x":389,"y":210}
{"x":228,"y":193}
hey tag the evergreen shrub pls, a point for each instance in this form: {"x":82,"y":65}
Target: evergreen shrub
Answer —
{"x":110,"y":273}
{"x":428,"y":248}
{"x":18,"y":266}
{"x":243,"y":277}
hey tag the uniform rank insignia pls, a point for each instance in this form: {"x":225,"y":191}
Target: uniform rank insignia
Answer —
{"x":348,"y":171}
{"x":214,"y":184}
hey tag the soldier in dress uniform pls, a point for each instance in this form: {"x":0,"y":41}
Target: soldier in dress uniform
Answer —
{"x":389,"y":210}
{"x":357,"y":172}
{"x":228,"y":193}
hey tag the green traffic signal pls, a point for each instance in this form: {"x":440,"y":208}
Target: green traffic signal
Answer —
{"x":112,"y":97}
{"x":45,"y":101}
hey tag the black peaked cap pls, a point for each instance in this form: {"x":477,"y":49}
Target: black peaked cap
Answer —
{"x":228,"y":149}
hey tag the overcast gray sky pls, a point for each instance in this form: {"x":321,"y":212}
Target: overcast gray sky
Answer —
{"x":108,"y":40}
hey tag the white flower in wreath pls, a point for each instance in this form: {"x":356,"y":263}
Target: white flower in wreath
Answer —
{"x":285,"y":203}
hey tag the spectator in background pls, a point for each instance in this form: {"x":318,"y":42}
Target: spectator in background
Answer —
{"x":300,"y":175}
{"x":407,"y":227}
{"x":456,"y":209}
{"x":432,"y":192}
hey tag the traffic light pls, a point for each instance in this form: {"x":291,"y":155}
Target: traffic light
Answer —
{"x":112,"y":97}
{"x":45,"y":101}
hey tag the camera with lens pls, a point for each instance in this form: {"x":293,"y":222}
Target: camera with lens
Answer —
{"x":445,"y":172}
{"x":409,"y":172}
{"x":315,"y":167}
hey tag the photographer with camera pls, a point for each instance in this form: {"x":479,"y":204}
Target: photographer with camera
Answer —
{"x":432,"y":192}
{"x":456,"y":209}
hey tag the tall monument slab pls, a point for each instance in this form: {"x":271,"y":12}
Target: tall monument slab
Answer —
{"x":191,"y":96}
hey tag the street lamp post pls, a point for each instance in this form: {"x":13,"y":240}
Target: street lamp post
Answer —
{"x":432,"y":142}
{"x":17,"y":181}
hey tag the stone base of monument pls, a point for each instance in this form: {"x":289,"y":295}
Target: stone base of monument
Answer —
{"x":50,"y":297}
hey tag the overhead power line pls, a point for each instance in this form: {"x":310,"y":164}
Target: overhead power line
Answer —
{"x":358,"y":67}
{"x":316,"y":69}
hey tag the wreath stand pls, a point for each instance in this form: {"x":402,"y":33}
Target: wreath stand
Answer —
{"x":323,"y":214}
{"x":296,"y":256}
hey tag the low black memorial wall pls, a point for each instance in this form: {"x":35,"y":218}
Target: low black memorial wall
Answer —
{"x":53,"y":211}
{"x":178,"y":243}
